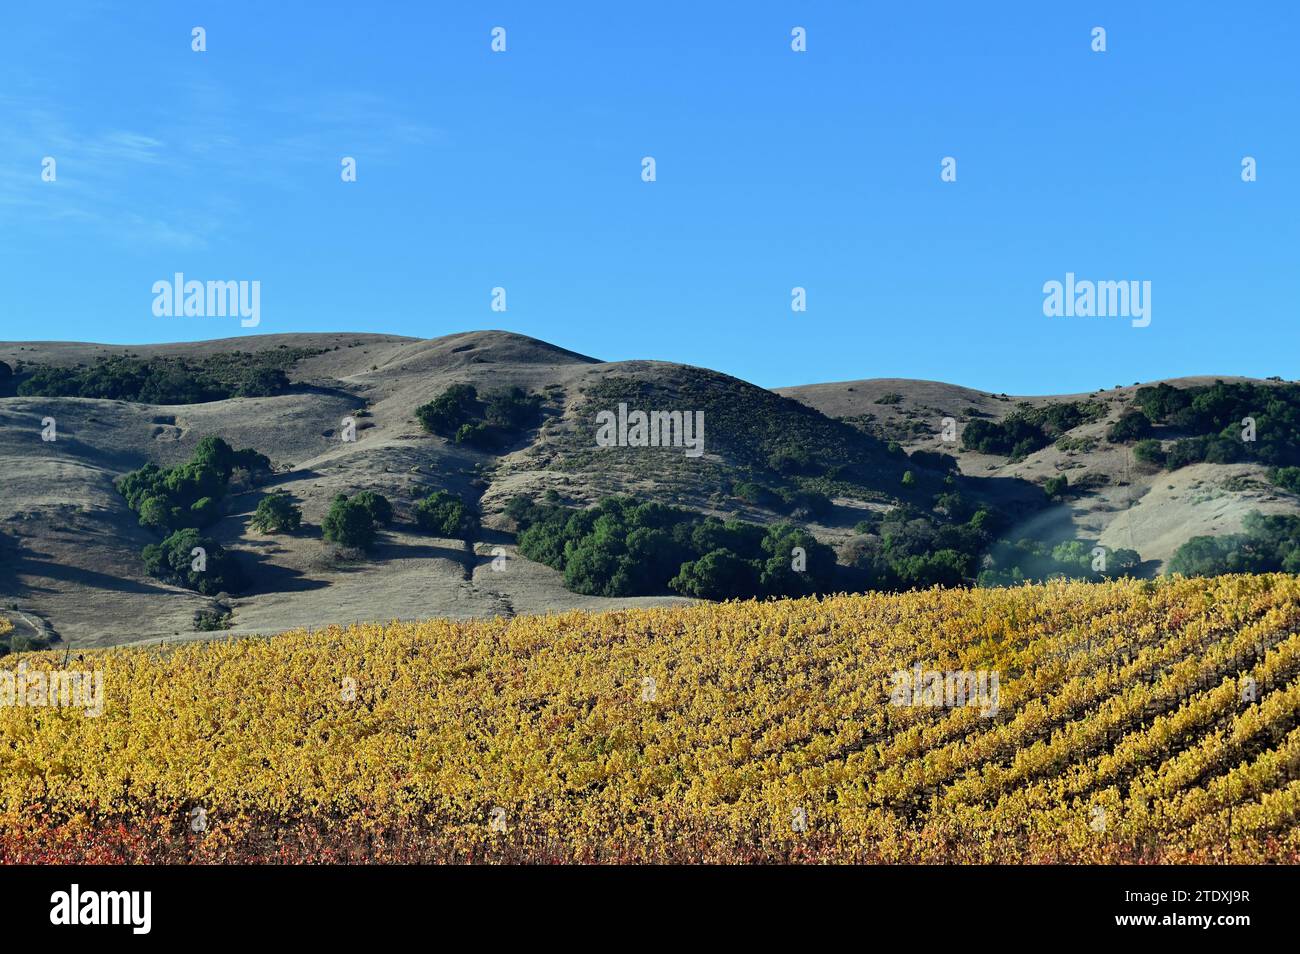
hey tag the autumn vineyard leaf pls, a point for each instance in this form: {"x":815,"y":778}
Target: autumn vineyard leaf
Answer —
{"x":1137,"y":722}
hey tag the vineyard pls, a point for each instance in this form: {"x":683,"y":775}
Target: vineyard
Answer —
{"x":1135,"y":722}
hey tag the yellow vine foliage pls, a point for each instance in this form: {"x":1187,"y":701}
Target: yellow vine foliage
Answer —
{"x":1135,"y":721}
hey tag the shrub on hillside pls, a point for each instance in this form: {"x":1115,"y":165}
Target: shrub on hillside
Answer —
{"x":204,"y":512}
{"x":796,"y":563}
{"x":1131,"y":426}
{"x":349,"y":523}
{"x":477,"y":434}
{"x":790,"y":460}
{"x":486,"y":423}
{"x":446,"y":515}
{"x":377,"y":505}
{"x":276,"y":513}
{"x":512,"y":409}
{"x":953,"y":505}
{"x":156,"y":514}
{"x":1001,"y":437}
{"x":448,"y":411}
{"x":1150,"y":451}
{"x":1028,"y":429}
{"x":756,"y":494}
{"x":1209,"y":448}
{"x":803,"y":504}
{"x":1011,"y":564}
{"x":1213,"y":556}
{"x":1288,"y":478}
{"x":193,"y":561}
{"x":1189,"y":450}
{"x":939,"y":568}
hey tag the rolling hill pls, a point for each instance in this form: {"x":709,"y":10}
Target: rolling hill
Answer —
{"x":70,"y":565}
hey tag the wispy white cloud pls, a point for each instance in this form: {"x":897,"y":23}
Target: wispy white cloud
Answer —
{"x":122,"y":146}
{"x":210,"y":151}
{"x":92,"y":187}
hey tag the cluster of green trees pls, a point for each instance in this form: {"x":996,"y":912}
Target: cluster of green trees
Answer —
{"x":352,"y":521}
{"x":958,"y":542}
{"x":189,"y":494}
{"x":1010,"y":564}
{"x":1028,"y":429}
{"x":355,"y":521}
{"x":167,"y":380}
{"x":182,"y":500}
{"x":1203,"y":448}
{"x":622,"y":548}
{"x":1266,"y":544}
{"x":189,"y":559}
{"x":1214,"y":418}
{"x":910,"y":548}
{"x":489,"y":422}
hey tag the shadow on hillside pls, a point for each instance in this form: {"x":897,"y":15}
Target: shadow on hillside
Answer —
{"x":84,"y":577}
{"x":10,"y":585}
{"x":280,"y":480}
{"x":389,"y":550}
{"x":323,"y":390}
{"x":1015,"y":492}
{"x":69,"y":448}
{"x":272,"y":578}
{"x":496,"y":538}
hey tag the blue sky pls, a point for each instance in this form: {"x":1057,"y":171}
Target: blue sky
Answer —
{"x":775,"y":169}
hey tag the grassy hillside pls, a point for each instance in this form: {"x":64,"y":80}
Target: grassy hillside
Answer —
{"x":1176,"y":468}
{"x":1132,"y":722}
{"x":73,"y":547}
{"x":859,"y":466}
{"x":76,"y":544}
{"x":750,"y":433}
